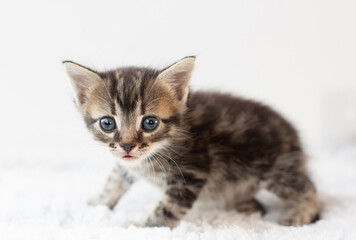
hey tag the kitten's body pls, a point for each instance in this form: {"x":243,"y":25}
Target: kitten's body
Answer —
{"x":206,"y":146}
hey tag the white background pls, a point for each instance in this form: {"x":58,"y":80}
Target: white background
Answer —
{"x":298,"y":56}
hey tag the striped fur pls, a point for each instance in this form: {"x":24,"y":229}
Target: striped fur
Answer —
{"x":207,"y":145}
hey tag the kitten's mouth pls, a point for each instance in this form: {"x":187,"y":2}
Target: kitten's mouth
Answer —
{"x":125,"y":156}
{"x":129,"y":157}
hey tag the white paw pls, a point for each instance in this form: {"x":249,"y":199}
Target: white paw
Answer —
{"x":94,"y":201}
{"x":110,"y":203}
{"x":135,"y":224}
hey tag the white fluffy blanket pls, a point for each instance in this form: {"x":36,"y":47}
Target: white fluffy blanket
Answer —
{"x":47,"y":200}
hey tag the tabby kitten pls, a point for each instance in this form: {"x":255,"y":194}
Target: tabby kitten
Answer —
{"x":195,"y":145}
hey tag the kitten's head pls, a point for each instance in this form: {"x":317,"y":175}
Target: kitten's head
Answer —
{"x":136,"y":112}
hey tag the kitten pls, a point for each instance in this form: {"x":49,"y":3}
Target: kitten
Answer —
{"x":195,"y":145}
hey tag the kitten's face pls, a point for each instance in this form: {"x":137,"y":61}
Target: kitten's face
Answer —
{"x":134,"y":111}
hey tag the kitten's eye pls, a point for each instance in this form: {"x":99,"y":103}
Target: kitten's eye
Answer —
{"x":149,"y":123}
{"x":107,"y":124}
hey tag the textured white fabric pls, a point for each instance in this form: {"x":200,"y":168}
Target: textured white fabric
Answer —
{"x":47,"y":200}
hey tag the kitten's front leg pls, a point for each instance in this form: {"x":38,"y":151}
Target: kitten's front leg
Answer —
{"x":116,"y":186}
{"x":178,"y":200}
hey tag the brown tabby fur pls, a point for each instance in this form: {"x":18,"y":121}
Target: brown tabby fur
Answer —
{"x":208,"y":145}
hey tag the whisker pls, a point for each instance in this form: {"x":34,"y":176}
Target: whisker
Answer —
{"x":159,"y":164}
{"x":170,"y":158}
{"x":154,"y":172}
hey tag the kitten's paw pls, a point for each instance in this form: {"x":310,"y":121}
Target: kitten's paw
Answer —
{"x":100,"y":200}
{"x":139,"y":224}
{"x":157,"y":222}
{"x":250,"y":207}
{"x":135,"y":224}
{"x":298,"y":218}
{"x":94,"y":201}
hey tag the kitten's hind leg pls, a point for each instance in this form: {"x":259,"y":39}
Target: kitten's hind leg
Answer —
{"x":291,"y":183}
{"x":249,"y":207}
{"x":117,"y":184}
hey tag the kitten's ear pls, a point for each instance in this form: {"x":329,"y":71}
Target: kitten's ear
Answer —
{"x":82,"y":79}
{"x":177,"y":77}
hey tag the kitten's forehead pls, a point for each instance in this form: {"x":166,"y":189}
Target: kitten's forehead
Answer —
{"x":128,"y":93}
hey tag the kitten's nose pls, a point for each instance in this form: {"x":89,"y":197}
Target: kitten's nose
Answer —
{"x":127,"y":146}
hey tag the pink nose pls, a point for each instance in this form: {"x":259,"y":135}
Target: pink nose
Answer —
{"x":127,"y":146}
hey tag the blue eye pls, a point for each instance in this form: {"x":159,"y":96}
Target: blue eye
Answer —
{"x":107,"y":124}
{"x":149,"y":123}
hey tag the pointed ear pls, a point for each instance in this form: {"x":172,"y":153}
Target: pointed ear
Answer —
{"x":82,"y":79}
{"x":177,"y":77}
